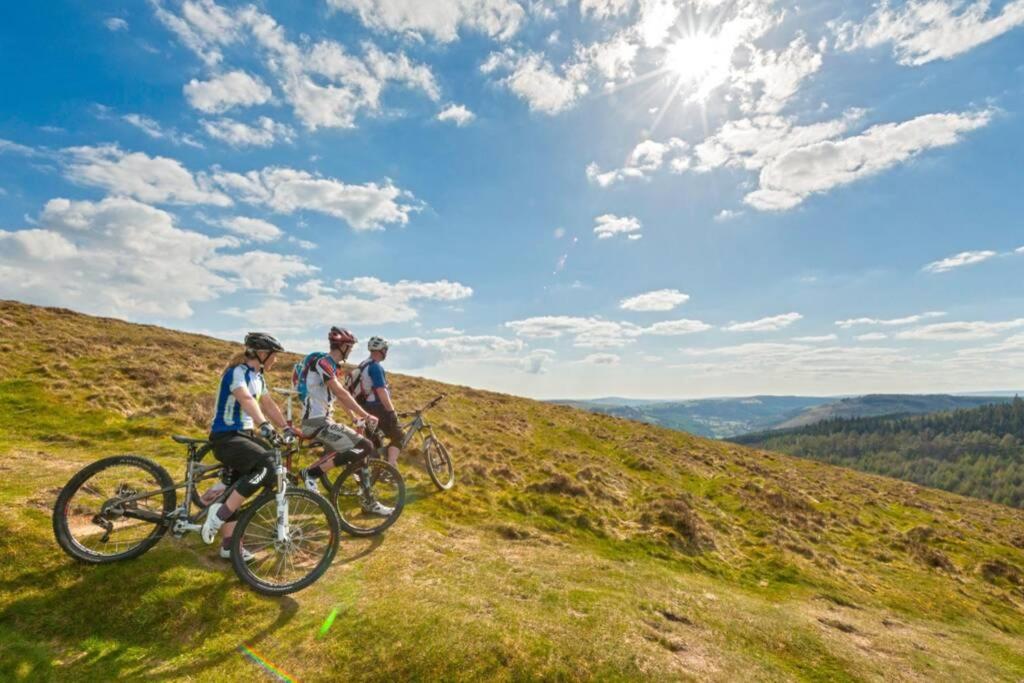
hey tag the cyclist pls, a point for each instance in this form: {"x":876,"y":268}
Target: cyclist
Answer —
{"x":242,"y":403}
{"x":375,"y":396}
{"x":323,"y":385}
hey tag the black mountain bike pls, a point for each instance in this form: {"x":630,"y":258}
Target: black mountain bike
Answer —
{"x":438,"y":460}
{"x":120,"y":507}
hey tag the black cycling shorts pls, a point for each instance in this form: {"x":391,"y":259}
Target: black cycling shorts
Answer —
{"x":246,"y":456}
{"x":388,"y":422}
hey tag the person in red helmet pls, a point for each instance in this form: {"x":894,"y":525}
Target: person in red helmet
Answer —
{"x":322,"y":376}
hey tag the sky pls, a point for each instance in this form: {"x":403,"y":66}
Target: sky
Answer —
{"x":551,"y":198}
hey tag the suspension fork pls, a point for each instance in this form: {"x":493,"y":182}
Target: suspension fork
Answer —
{"x":282,"y":501}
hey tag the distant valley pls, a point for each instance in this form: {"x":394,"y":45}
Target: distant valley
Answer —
{"x":724,"y":418}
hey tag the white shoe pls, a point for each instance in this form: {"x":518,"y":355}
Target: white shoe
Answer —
{"x":225,"y":553}
{"x":309,"y":481}
{"x":379,"y":508}
{"x":212,"y":524}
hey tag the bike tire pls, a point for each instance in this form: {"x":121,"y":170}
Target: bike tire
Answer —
{"x":442,"y":472}
{"x":243,"y":570}
{"x":62,"y":531}
{"x":346,"y":482}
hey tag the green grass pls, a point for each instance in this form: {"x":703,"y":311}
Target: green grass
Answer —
{"x":574,"y":546}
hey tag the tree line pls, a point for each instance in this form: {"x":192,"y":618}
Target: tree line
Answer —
{"x":974,"y":452}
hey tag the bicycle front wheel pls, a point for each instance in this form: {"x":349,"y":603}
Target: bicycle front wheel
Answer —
{"x":114,"y":509}
{"x":439,"y":464}
{"x":281,"y":566}
{"x":369,"y":497}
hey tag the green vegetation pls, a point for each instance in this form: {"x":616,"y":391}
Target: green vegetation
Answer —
{"x":977,"y":452}
{"x":574,"y":546}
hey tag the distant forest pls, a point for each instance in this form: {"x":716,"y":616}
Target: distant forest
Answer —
{"x":976,"y":452}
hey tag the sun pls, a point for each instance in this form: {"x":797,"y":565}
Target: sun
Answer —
{"x":700,"y":62}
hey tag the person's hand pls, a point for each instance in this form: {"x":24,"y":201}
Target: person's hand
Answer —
{"x":289,"y":435}
{"x":371,"y":421}
{"x":268,"y":432}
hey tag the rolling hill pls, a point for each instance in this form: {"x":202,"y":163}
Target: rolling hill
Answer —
{"x":878,"y":405}
{"x":976,"y":452}
{"x":574,"y":546}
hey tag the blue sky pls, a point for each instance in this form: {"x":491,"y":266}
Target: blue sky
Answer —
{"x":551,"y":198}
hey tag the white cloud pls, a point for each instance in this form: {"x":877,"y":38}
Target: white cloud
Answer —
{"x":418,"y":352}
{"x":441,"y":19}
{"x":816,"y":339}
{"x":964,"y":258}
{"x":203,"y":27}
{"x":238,"y":134}
{"x":789,"y":179}
{"x":605,"y":9}
{"x":223,"y":92}
{"x":457,"y":114}
{"x":365,"y":207}
{"x":586,"y":332}
{"x":254,"y":229}
{"x":872,"y":336}
{"x":958,"y":331}
{"x":673,"y":328}
{"x":776,"y":75}
{"x":727,"y":215}
{"x":646,"y":158}
{"x":366,"y":301}
{"x":657,"y":300}
{"x":656,"y":20}
{"x":891,"y":322}
{"x":922,"y":31}
{"x":608,"y":225}
{"x":533,"y":79}
{"x":261,"y":270}
{"x":115,"y":24}
{"x":113,"y":257}
{"x":150,"y":179}
{"x":154,"y":130}
{"x":601,"y":359}
{"x":770,"y":324}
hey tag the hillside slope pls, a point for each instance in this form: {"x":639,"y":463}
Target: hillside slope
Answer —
{"x":878,"y":405}
{"x":976,"y":452}
{"x":574,"y":546}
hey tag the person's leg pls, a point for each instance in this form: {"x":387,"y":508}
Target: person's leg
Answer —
{"x":252,"y":463}
{"x":337,"y":439}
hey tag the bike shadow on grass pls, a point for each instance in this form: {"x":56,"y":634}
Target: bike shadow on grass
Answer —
{"x":122,"y":620}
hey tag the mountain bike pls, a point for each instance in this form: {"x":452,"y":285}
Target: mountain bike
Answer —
{"x":365,"y":480}
{"x":120,"y":507}
{"x":439,"y":461}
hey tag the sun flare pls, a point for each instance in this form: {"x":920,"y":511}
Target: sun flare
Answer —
{"x":700,"y":63}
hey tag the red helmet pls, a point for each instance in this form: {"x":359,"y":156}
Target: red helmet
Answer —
{"x":339,"y":336}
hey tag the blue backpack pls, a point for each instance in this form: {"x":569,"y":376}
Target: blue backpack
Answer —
{"x":301,"y":370}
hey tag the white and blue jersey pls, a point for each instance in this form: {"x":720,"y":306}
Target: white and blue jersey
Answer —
{"x":372,"y":378}
{"x":229,"y":416}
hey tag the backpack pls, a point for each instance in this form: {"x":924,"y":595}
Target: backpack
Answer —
{"x":353,"y":380}
{"x":301,"y":370}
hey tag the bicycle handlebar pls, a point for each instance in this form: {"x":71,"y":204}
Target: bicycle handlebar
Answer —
{"x":424,"y":409}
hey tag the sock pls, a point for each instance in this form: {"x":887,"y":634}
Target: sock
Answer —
{"x":226,"y":543}
{"x":224,"y":513}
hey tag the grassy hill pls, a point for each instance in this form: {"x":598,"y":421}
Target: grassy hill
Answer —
{"x":975,"y":452}
{"x":575,"y":546}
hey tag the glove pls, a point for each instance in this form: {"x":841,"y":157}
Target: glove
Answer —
{"x":268,"y":432}
{"x":289,"y":436}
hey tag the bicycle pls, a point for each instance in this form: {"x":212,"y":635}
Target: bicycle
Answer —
{"x":438,"y":460}
{"x":292,"y":533}
{"x":365,"y":480}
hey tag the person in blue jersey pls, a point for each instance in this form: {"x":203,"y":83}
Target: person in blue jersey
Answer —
{"x":323,"y":385}
{"x":244,"y":411}
{"x":374,"y":396}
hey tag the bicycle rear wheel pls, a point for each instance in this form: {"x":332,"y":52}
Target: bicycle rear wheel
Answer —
{"x":439,"y":464}
{"x":369,"y":497}
{"x":280,"y":567}
{"x":114,"y":509}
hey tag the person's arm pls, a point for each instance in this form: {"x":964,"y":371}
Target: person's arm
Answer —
{"x":341,"y":393}
{"x":272,"y":411}
{"x":249,"y":405}
{"x":385,"y":398}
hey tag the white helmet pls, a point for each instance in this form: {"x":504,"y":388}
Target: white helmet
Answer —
{"x":377,"y":344}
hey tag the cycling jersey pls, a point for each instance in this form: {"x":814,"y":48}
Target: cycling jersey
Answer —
{"x":319,"y":399}
{"x":229,"y":416}
{"x":372,"y":378}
